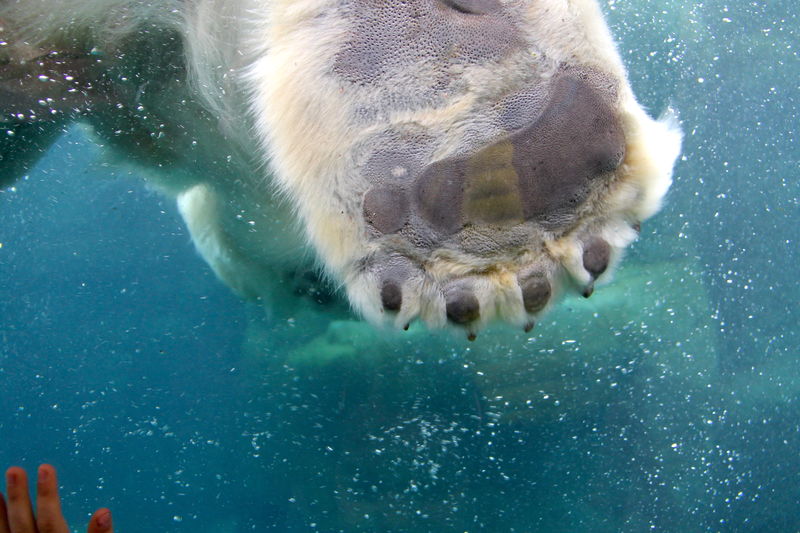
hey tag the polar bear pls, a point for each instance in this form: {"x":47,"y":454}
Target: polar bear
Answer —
{"x":453,"y":161}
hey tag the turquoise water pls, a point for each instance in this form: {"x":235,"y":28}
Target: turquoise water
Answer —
{"x":670,"y":401}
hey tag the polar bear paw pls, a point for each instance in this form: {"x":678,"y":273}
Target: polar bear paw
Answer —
{"x":500,"y":232}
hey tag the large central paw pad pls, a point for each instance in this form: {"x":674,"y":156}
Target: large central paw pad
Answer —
{"x":496,"y":231}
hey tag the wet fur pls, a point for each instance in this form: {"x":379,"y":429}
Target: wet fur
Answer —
{"x":249,"y":66}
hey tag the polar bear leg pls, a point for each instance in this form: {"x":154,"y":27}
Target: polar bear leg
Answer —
{"x":199,"y":207}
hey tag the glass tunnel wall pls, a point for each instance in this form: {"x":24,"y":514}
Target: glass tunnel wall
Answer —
{"x":668,"y":401}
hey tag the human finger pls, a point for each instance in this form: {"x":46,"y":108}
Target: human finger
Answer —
{"x":48,"y":507}
{"x":101,"y":522}
{"x":3,"y":515}
{"x":20,"y":512}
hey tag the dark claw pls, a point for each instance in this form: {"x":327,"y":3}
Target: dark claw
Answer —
{"x":596,"y":255}
{"x":405,"y":328}
{"x":536,"y":293}
{"x":529,"y":326}
{"x":588,"y":290}
{"x":637,"y":227}
{"x":462,"y":307}
{"x":471,"y":336}
{"x":391,"y":296}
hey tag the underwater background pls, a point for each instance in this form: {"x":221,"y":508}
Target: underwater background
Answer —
{"x":670,"y":401}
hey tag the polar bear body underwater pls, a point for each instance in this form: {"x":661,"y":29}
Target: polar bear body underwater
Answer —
{"x":454,"y":161}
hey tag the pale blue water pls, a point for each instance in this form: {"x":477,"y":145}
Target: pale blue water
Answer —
{"x":668,"y":402}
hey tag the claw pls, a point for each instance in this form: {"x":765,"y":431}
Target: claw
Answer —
{"x":471,"y":336}
{"x":588,"y":290}
{"x":529,"y":326}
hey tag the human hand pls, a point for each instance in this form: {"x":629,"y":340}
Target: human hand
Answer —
{"x":18,"y":516}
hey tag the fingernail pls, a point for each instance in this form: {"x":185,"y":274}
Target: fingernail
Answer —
{"x":12,"y":478}
{"x":43,"y":474}
{"x":104,"y":520}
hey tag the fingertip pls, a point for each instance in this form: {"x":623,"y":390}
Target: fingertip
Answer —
{"x":15,"y":476}
{"x":20,"y":513}
{"x":101,"y":521}
{"x":48,"y":505}
{"x":46,"y":473}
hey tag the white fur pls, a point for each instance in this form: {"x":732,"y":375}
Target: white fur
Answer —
{"x":262,"y":68}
